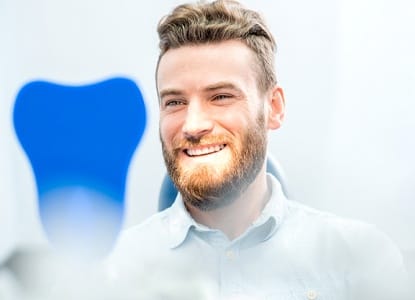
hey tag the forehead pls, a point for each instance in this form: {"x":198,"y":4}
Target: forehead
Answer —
{"x":198,"y":65}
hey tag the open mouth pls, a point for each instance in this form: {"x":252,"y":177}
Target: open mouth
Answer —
{"x":206,"y":150}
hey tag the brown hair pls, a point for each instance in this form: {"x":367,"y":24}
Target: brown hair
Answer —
{"x":220,"y":20}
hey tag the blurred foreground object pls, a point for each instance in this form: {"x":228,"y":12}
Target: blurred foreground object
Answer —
{"x":79,"y":141}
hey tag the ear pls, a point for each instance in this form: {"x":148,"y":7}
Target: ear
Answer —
{"x":275,"y":107}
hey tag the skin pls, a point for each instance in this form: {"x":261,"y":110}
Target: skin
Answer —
{"x":210,"y":93}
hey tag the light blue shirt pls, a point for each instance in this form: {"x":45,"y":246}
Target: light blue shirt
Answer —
{"x":290,"y":252}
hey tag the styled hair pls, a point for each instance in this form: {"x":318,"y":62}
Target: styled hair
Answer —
{"x":221,"y":20}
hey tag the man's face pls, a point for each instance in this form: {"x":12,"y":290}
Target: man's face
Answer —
{"x":212,"y":122}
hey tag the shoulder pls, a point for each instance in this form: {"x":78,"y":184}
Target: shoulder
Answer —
{"x":135,"y":242}
{"x":365,"y":252}
{"x":150,"y":231}
{"x":356,"y":240}
{"x":329,"y":223}
{"x":131,"y":254}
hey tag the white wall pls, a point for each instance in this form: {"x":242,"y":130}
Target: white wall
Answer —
{"x":349,"y":72}
{"x":347,"y":68}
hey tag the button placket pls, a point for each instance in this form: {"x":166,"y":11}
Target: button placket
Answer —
{"x":311,"y":295}
{"x":230,"y":254}
{"x":231,"y":276}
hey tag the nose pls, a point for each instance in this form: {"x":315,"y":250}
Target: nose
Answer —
{"x":198,"y":121}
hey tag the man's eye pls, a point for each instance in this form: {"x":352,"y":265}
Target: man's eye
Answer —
{"x":222,"y":97}
{"x":173,"y":103}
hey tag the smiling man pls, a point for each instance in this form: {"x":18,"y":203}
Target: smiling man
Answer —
{"x":213,"y":124}
{"x":231,"y":231}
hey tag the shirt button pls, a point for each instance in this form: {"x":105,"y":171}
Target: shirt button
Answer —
{"x":175,"y":225}
{"x":230,"y":254}
{"x":311,"y":295}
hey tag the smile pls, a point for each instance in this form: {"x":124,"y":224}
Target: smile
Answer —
{"x":204,"y":150}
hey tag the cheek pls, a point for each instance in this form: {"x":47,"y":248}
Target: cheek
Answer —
{"x":169,"y":129}
{"x":235,"y":122}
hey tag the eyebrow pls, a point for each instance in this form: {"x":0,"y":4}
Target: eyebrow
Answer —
{"x":170,"y":92}
{"x":222,"y":85}
{"x":209,"y":88}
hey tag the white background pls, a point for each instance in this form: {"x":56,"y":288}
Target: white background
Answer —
{"x":347,"y":67}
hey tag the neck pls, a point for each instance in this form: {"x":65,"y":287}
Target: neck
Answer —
{"x":234,"y":219}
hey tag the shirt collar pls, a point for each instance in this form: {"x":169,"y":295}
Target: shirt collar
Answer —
{"x":270,"y":219}
{"x":179,"y":221}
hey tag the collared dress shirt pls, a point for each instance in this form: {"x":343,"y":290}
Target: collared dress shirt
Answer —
{"x":290,"y":252}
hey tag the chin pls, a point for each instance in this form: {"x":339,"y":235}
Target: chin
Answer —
{"x":208,"y":188}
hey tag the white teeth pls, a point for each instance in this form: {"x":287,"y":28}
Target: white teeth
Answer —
{"x":204,"y":151}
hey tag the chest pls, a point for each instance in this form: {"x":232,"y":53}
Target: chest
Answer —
{"x":267,"y":271}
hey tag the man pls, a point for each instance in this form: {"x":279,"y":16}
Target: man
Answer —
{"x":231,"y":232}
